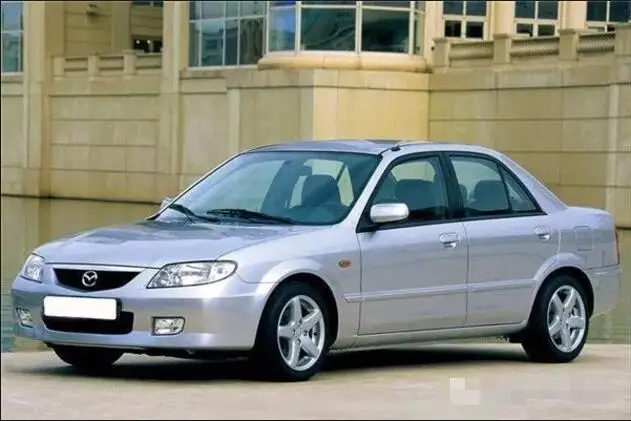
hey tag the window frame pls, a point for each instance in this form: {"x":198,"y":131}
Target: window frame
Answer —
{"x":465,"y":18}
{"x":20,"y":36}
{"x":602,"y":25}
{"x":366,"y":225}
{"x":264,"y":17}
{"x":415,"y":14}
{"x":459,"y":209}
{"x":536,"y":21}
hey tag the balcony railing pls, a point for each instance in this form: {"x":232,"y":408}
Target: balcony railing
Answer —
{"x":126,"y":64}
{"x":503,"y":50}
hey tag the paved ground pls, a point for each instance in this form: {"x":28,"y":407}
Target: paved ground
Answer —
{"x":431,"y":382}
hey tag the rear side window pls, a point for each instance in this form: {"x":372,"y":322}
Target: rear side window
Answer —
{"x":487,"y":189}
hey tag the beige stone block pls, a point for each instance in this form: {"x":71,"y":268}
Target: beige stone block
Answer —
{"x":529,"y":78}
{"x":167,"y":186}
{"x":140,"y":187}
{"x":624,"y":134}
{"x":380,"y":114}
{"x":624,"y":98}
{"x":544,"y":166}
{"x":140,"y":159}
{"x":107,"y":158}
{"x":622,"y":206}
{"x":467,"y":105}
{"x":584,"y":169}
{"x":32,"y":181}
{"x":11,"y":180}
{"x":74,"y":184}
{"x":323,"y":112}
{"x":586,"y":135}
{"x":106,"y":108}
{"x":586,"y":102}
{"x":582,"y":76}
{"x":88,"y":34}
{"x":528,"y":136}
{"x":267,"y":116}
{"x":623,"y":169}
{"x":475,"y":80}
{"x":583,"y":196}
{"x":11,"y":132}
{"x":107,"y":185}
{"x":70,"y":157}
{"x":365,"y":79}
{"x":205,"y":132}
{"x":133,"y":85}
{"x":529,"y":104}
{"x":470,"y":132}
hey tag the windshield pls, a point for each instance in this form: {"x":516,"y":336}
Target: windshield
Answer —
{"x":279,"y":187}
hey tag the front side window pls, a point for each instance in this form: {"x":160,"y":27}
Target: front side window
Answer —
{"x":226,"y":33}
{"x":488,"y":190}
{"x":11,"y":28}
{"x":344,"y":25}
{"x":420,"y":185}
{"x":312,"y":188}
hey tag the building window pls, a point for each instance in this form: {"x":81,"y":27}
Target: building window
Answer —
{"x":157,"y":3}
{"x":226,"y":33}
{"x":11,"y":28}
{"x":603,"y":14}
{"x":536,"y":17}
{"x":346,"y":26}
{"x":147,"y":45}
{"x":465,"y":18}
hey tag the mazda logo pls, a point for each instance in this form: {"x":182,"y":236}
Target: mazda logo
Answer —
{"x":89,"y":278}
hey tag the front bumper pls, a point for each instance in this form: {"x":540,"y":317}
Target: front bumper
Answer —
{"x":219,"y":316}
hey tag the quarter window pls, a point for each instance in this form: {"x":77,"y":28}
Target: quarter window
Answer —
{"x":486,"y":189}
{"x":420,"y":185}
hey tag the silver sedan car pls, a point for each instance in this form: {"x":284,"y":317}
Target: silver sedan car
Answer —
{"x":285,"y":253}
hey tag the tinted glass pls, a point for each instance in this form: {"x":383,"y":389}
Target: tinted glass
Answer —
{"x":620,"y":11}
{"x":597,"y":10}
{"x":328,"y":29}
{"x":385,"y":31}
{"x":525,"y":8}
{"x":453,"y":7}
{"x":548,"y":9}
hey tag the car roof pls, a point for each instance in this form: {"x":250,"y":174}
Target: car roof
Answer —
{"x":368,"y":146}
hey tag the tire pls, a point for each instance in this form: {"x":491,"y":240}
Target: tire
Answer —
{"x":272,"y":350}
{"x":541,"y":340}
{"x":88,"y":359}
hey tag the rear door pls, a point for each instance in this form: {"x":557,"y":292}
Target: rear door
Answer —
{"x":510,"y":239}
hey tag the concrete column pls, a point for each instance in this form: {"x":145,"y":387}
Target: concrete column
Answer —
{"x":43,"y":38}
{"x":121,"y":26}
{"x":574,"y":14}
{"x":503,"y":17}
{"x":174,"y":60}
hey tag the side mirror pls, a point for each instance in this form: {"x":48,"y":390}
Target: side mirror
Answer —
{"x":166,"y":202}
{"x":389,"y":212}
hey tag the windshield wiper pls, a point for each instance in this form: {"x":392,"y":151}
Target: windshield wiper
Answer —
{"x":248,"y":214}
{"x":189,"y":213}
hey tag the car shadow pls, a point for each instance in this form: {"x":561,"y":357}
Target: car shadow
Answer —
{"x":180,"y":370}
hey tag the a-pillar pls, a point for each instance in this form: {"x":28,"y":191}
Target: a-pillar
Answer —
{"x":43,"y":38}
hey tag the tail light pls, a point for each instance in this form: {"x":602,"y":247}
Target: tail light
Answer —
{"x":617,"y":247}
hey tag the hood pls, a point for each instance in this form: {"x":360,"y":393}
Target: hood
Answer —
{"x":155,"y":244}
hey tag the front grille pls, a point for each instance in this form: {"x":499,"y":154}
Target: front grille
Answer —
{"x":121,"y":326}
{"x":73,"y":278}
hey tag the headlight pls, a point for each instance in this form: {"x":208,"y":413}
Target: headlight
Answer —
{"x":33,"y":268}
{"x":189,"y":274}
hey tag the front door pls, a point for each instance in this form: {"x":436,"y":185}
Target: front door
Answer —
{"x":414,"y":271}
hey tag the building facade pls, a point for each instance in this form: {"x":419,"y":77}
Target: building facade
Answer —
{"x":133,"y":100}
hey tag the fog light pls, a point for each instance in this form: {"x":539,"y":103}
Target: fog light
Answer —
{"x":24,"y":316}
{"x":167,"y":325}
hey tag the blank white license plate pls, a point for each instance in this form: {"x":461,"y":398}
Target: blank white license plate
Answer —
{"x":81,"y":307}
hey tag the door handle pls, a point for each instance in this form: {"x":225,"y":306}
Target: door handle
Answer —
{"x":543,"y":233}
{"x":449,"y":240}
